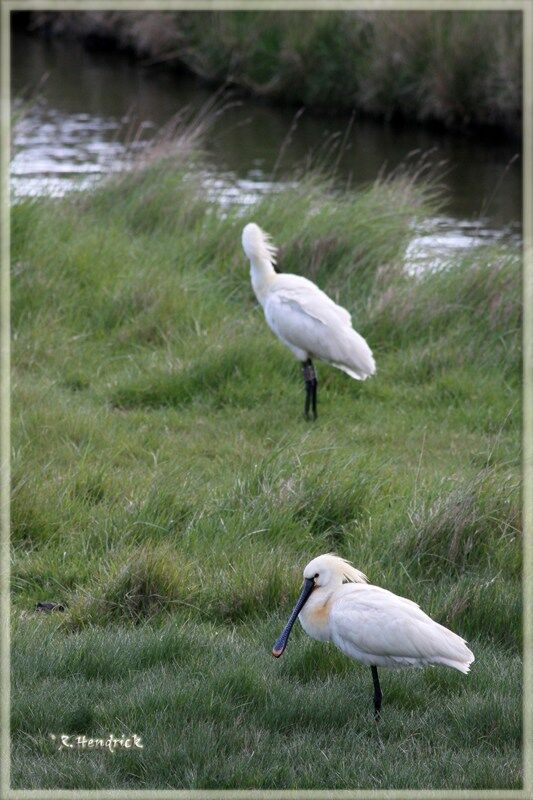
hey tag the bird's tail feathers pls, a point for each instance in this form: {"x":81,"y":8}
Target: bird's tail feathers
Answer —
{"x":358,"y":362}
{"x":461,"y":666}
{"x":359,"y":375}
{"x":454,"y":650}
{"x":257,"y":244}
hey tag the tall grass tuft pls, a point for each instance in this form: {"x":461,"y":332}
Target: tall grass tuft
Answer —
{"x":477,"y":521}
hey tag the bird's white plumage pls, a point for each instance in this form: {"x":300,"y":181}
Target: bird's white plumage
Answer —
{"x":301,"y":315}
{"x":375,"y":626}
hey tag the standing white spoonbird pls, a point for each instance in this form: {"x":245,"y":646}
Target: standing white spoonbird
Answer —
{"x":304,"y":318}
{"x":370,"y":624}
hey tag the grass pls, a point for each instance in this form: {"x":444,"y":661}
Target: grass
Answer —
{"x":460,"y":69}
{"x":168,"y":492}
{"x":210,"y":718}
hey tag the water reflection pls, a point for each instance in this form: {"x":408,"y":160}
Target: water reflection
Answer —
{"x":55,"y":152}
{"x":432,"y":247}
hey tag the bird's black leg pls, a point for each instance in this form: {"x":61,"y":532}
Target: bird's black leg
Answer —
{"x":311,"y":384}
{"x":377,"y":694}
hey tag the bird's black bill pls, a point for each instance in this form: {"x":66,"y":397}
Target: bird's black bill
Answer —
{"x":281,"y":643}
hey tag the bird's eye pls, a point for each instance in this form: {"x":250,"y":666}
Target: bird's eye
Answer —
{"x":315,"y":575}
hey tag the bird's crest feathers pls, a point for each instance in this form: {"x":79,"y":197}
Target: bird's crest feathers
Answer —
{"x":336,"y":564}
{"x":257,"y":244}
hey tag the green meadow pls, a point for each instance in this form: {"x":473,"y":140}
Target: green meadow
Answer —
{"x":168,"y":491}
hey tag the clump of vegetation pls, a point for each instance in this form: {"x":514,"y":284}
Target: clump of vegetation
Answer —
{"x":168,"y":495}
{"x":455,"y":68}
{"x":457,"y":530}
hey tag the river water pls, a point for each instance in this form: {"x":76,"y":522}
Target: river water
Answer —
{"x":81,"y":115}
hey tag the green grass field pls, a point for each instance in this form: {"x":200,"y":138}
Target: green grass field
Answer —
{"x":168,"y":491}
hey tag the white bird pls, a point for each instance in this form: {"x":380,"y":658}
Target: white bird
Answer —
{"x":370,"y":624}
{"x":304,"y":318}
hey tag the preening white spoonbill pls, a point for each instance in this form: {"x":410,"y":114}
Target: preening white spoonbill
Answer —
{"x":304,"y":318}
{"x":370,"y":624}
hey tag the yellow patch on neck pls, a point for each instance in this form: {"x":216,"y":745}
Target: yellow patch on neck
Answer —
{"x":320,"y":615}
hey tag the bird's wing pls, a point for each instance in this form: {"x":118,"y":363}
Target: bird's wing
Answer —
{"x":372,"y":620}
{"x":298,"y":327}
{"x":312,"y":300}
{"x":304,"y":317}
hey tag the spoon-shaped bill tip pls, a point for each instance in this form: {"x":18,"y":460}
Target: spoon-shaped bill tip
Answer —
{"x":281,"y":643}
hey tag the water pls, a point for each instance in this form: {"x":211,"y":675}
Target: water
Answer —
{"x":95,"y":109}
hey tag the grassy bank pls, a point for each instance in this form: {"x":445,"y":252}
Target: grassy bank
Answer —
{"x":168,"y":492}
{"x":458,"y":69}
